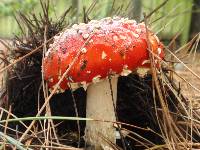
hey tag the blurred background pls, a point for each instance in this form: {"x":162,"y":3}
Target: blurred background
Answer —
{"x":173,"y":17}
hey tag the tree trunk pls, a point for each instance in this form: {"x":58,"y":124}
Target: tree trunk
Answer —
{"x":195,"y":18}
{"x":136,"y":10}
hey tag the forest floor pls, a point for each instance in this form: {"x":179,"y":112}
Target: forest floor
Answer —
{"x":192,"y":94}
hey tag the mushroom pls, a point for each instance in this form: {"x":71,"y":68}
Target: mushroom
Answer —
{"x":110,"y":47}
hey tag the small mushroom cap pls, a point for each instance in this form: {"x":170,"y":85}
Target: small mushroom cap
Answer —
{"x":110,"y":46}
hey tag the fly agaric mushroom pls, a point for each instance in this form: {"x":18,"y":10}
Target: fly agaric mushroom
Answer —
{"x":110,"y":47}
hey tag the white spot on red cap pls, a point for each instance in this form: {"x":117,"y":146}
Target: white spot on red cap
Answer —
{"x":135,"y":35}
{"x":115,"y":38}
{"x":138,"y":30}
{"x":159,"y":51}
{"x":85,"y":35}
{"x":50,"y":80}
{"x":130,"y":21}
{"x":81,"y":24}
{"x":93,"y":21}
{"x":50,"y":45}
{"x":103,"y":55}
{"x":75,"y":26}
{"x":59,"y":73}
{"x":56,"y":37}
{"x":59,"y":77}
{"x":48,"y":52}
{"x":90,"y":41}
{"x":88,"y":71}
{"x":84,"y":50}
{"x":142,"y":25}
{"x":122,"y":37}
{"x":116,"y":18}
{"x":97,"y":26}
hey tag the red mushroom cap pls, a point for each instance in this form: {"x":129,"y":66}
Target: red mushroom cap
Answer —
{"x":113,"y":46}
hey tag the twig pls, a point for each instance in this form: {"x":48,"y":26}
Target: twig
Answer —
{"x":195,"y":74}
{"x":77,"y":115}
{"x":116,"y":116}
{"x":169,"y":121}
{"x":156,"y":9}
{"x":25,"y":56}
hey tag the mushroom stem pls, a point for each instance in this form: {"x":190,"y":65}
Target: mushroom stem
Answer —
{"x":100,"y":106}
